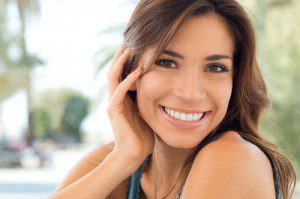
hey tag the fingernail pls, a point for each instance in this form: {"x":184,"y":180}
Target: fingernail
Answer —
{"x":122,"y":47}
{"x":124,"y":51}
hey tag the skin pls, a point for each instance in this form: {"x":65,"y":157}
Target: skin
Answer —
{"x":188,"y":85}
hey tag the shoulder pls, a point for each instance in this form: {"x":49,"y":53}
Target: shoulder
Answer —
{"x":230,"y":167}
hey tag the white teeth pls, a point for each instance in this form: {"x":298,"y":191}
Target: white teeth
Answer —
{"x":172,"y":113}
{"x":183,"y":116}
{"x":200,"y":115}
{"x":189,"y":117}
{"x":168,"y":111}
{"x":195,"y":116}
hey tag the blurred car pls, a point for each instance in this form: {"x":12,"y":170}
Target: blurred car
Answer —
{"x":10,"y":154}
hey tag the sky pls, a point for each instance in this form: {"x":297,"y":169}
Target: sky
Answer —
{"x":66,"y":35}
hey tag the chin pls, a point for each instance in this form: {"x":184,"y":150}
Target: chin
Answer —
{"x":179,"y":142}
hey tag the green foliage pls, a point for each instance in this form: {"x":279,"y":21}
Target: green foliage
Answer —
{"x":66,"y":109}
{"x":53,"y":100}
{"x":75,"y":110}
{"x":281,"y":51}
{"x":42,"y":124}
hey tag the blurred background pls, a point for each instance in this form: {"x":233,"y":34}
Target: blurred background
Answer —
{"x":54,"y":56}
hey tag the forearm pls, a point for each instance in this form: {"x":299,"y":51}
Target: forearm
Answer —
{"x":100,"y":182}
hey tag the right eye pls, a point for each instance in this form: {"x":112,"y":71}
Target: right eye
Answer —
{"x":167,"y":63}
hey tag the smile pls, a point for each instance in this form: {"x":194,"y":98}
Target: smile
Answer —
{"x":183,"y":120}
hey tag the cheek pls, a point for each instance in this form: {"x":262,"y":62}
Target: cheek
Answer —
{"x":222,"y":93}
{"x":150,"y":90}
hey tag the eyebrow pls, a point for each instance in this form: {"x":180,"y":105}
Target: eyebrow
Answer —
{"x":209,"y":58}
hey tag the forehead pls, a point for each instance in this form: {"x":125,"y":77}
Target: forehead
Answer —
{"x":202,"y":36}
{"x":198,"y":38}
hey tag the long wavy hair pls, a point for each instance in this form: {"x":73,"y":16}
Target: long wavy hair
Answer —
{"x":154,"y":23}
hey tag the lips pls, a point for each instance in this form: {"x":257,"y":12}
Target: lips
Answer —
{"x":180,"y":123}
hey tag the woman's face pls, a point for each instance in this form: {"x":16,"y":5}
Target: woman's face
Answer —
{"x":193,"y":78}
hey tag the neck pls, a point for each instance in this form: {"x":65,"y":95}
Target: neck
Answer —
{"x":169,"y":163}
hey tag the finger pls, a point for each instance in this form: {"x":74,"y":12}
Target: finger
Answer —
{"x":116,"y":71}
{"x":119,"y":64}
{"x":119,"y":52}
{"x":124,"y":86}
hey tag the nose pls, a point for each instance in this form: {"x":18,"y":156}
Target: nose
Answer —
{"x":190,"y":87}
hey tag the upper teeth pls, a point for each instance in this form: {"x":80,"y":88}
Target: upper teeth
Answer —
{"x":184,"y":116}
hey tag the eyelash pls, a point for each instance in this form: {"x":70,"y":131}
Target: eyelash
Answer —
{"x":223,"y":68}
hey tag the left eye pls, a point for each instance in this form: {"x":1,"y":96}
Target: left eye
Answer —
{"x":167,"y":63}
{"x":216,"y":68}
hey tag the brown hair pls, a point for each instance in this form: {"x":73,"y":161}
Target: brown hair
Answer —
{"x":154,"y":23}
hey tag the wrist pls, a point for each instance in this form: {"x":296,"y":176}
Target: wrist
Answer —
{"x":130,"y":163}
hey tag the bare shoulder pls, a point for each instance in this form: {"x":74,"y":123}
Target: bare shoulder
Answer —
{"x":230,"y":167}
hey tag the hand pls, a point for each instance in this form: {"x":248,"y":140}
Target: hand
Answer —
{"x":133,"y":137}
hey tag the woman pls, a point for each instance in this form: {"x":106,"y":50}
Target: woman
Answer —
{"x":185,"y":101}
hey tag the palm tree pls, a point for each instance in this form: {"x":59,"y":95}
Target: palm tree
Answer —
{"x":7,"y":87}
{"x":105,"y":54}
{"x":27,"y":10}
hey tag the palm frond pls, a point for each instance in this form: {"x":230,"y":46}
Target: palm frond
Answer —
{"x":116,"y":28}
{"x":103,"y":57}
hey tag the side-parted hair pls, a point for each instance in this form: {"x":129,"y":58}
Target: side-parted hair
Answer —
{"x":155,"y":22}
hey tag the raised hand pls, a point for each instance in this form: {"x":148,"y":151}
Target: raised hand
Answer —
{"x":133,"y":137}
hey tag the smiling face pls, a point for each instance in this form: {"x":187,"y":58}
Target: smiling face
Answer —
{"x":193,"y":78}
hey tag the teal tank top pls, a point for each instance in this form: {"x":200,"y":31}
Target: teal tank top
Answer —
{"x":134,"y":184}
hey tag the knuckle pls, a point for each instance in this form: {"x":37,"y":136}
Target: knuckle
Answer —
{"x":120,"y":87}
{"x":122,"y":58}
